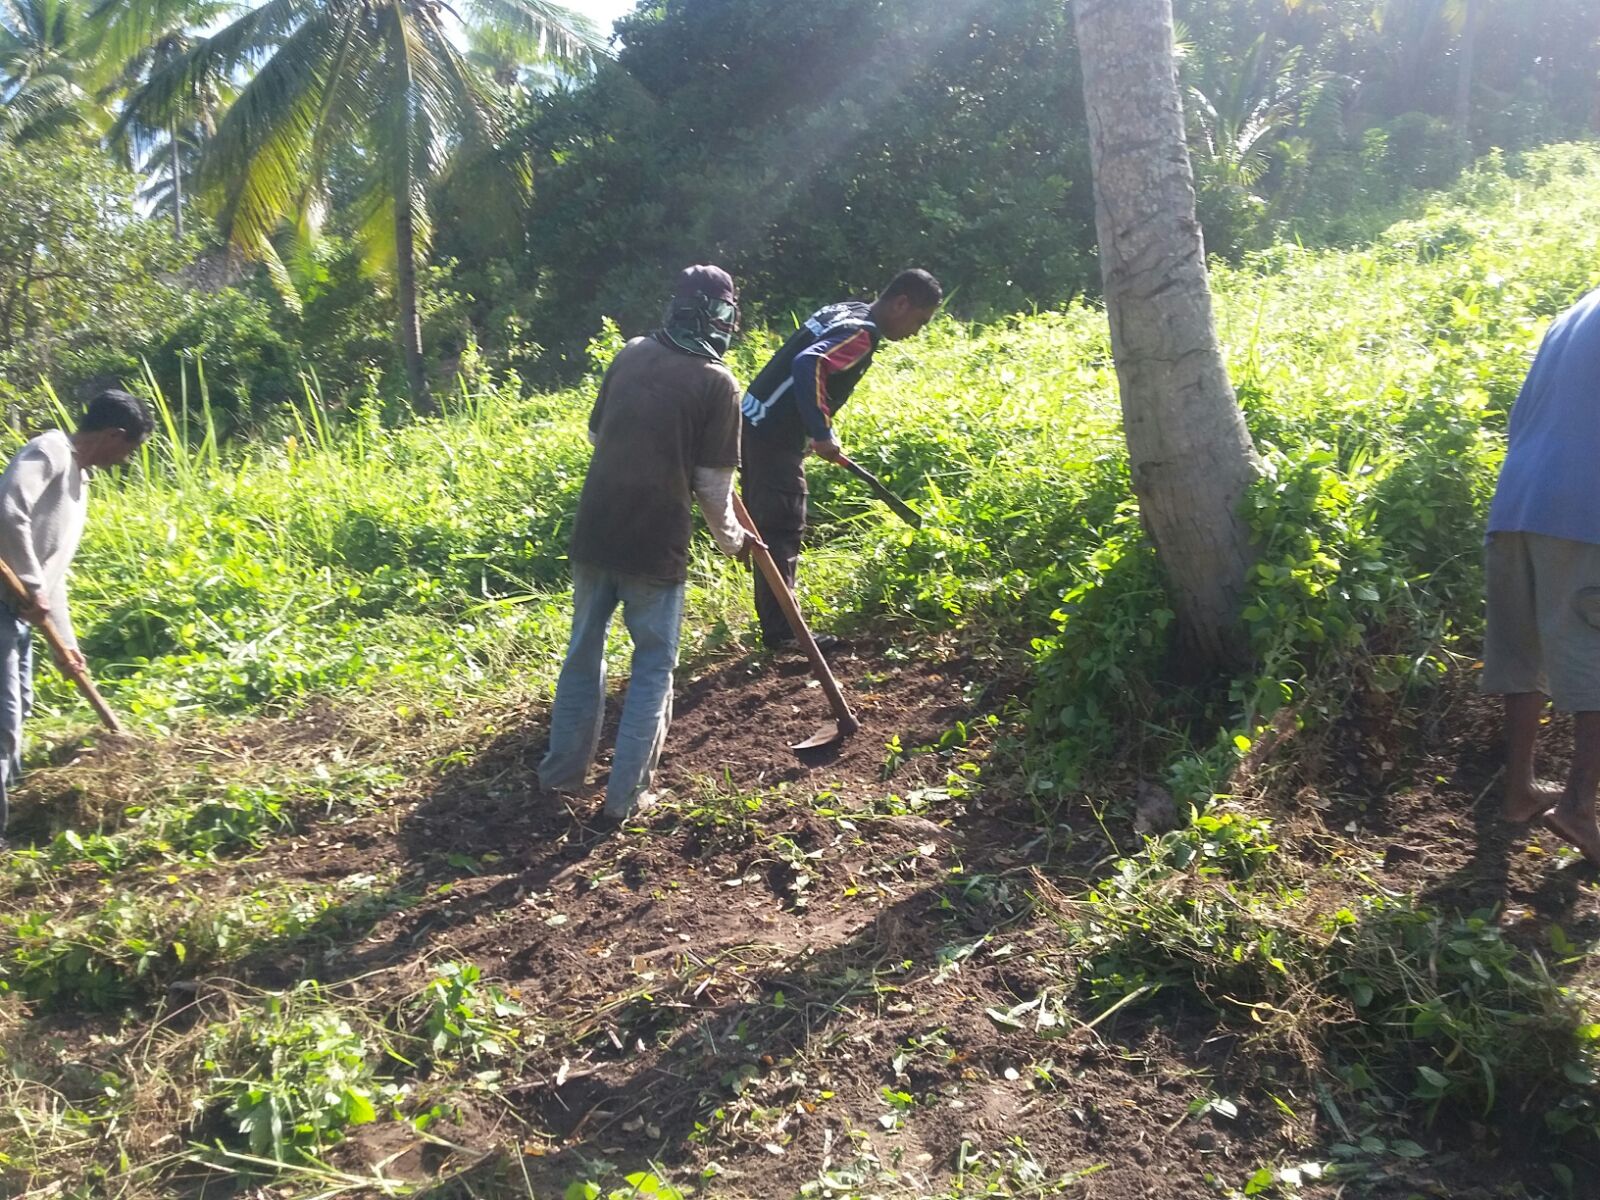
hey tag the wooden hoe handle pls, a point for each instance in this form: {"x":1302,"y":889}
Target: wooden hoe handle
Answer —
{"x":791,"y":610}
{"x":52,"y":635}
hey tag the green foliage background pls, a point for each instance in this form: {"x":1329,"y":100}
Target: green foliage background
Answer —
{"x":1376,"y":382}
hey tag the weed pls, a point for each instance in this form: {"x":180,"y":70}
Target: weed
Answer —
{"x":202,"y":820}
{"x":463,"y":1018}
{"x":1423,"y":1008}
{"x":291,"y":1075}
{"x":135,"y":944}
{"x":645,"y":1185}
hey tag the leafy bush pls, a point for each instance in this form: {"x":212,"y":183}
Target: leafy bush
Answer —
{"x":84,"y":279}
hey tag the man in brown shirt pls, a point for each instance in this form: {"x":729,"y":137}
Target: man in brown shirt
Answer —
{"x":665,"y":431}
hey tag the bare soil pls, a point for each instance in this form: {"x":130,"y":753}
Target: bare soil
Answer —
{"x":780,"y":975}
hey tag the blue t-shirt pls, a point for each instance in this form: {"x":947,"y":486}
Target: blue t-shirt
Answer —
{"x":1550,"y":482}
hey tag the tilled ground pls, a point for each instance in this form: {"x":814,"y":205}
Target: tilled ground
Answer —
{"x":828,"y":973}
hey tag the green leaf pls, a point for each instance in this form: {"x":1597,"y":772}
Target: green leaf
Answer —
{"x":361,"y":1111}
{"x":647,"y":1183}
{"x":1577,"y":1073}
{"x":1260,"y":1182}
{"x":1407,"y":1149}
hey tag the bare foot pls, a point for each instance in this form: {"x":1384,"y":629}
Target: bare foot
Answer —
{"x":1523,"y":804}
{"x":1581,"y":831}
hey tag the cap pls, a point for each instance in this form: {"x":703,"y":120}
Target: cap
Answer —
{"x":705,"y":280}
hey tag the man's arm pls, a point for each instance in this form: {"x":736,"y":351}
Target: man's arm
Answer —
{"x":598,"y":411}
{"x":813,"y":368}
{"x":713,"y":487}
{"x":29,"y":476}
{"x":61,"y":618}
{"x":716,"y":457}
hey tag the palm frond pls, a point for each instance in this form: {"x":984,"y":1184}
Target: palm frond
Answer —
{"x":46,"y":105}
{"x":375,"y":229}
{"x":255,"y":166}
{"x":543,"y":30}
{"x":126,"y":29}
{"x":214,"y":60}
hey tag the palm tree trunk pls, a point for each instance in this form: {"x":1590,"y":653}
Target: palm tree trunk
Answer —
{"x":1189,"y":450}
{"x":409,"y":328}
{"x":1468,"y":51}
{"x":177,"y":180}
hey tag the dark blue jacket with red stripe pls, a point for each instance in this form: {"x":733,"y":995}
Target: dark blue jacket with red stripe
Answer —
{"x":809,"y":379}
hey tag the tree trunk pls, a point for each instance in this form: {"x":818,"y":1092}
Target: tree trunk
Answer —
{"x":177,"y":181}
{"x":1188,"y":448}
{"x":1468,"y":51}
{"x":408,"y":330}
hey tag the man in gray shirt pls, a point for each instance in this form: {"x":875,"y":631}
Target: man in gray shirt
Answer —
{"x":44,"y":496}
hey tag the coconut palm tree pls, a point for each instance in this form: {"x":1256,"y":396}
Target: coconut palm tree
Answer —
{"x":380,"y":84}
{"x":1190,"y":454}
{"x":135,"y":42}
{"x":45,"y":59}
{"x":1239,"y":114}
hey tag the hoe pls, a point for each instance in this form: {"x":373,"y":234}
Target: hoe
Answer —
{"x":844,"y":721}
{"x":898,"y":506}
{"x":53,"y":637}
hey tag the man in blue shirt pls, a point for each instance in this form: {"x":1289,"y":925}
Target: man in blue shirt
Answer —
{"x":1543,"y":576}
{"x":789,"y":412}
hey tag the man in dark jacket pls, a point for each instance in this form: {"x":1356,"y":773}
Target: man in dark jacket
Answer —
{"x":665,"y":431}
{"x":789,"y":412}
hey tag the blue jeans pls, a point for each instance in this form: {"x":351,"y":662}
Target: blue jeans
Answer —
{"x":653,"y":613}
{"x":16,"y":701}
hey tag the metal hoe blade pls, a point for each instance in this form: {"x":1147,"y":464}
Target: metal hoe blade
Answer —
{"x":827,"y":734}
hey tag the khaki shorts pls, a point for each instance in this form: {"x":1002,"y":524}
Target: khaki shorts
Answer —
{"x":1544,"y":619}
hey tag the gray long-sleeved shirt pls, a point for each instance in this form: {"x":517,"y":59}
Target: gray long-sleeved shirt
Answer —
{"x":44,"y":498}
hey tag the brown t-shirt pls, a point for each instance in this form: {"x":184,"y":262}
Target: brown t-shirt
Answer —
{"x":661,"y":413}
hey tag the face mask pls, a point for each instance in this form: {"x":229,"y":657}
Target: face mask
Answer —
{"x":722,"y":322}
{"x":704,"y":326}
